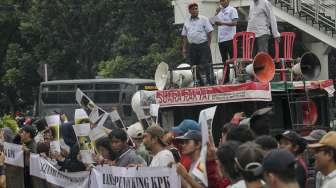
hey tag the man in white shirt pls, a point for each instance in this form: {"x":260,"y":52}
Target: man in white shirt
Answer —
{"x":196,"y":36}
{"x":227,"y":18}
{"x":325,"y":160}
{"x":261,"y":19}
{"x":154,"y":144}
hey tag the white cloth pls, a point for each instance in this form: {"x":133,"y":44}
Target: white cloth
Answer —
{"x":261,"y":18}
{"x":227,"y":14}
{"x":162,"y":159}
{"x":239,"y":184}
{"x":328,"y":181}
{"x":196,"y":29}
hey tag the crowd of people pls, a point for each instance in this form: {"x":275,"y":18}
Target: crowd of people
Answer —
{"x":197,"y":30}
{"x":247,"y":156}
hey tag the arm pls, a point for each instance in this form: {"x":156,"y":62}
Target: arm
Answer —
{"x":186,"y":177}
{"x":233,"y":23}
{"x":209,"y":38}
{"x":184,"y":46}
{"x":272,"y":19}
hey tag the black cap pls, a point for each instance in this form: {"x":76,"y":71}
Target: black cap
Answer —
{"x":191,"y":135}
{"x":278,"y":160}
{"x":30,"y":129}
{"x":295,"y":138}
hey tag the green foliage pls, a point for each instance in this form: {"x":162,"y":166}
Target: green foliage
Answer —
{"x":8,"y":121}
{"x":81,"y":39}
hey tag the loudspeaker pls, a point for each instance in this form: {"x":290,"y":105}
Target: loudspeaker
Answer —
{"x":262,"y":67}
{"x":180,"y":78}
{"x":309,"y":66}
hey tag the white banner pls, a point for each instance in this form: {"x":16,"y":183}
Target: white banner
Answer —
{"x":13,"y":154}
{"x":41,"y":168}
{"x":205,"y":120}
{"x":142,"y":177}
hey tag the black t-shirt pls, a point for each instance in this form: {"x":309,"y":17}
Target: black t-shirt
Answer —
{"x":301,"y":172}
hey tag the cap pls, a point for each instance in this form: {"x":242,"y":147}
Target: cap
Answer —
{"x":315,"y":135}
{"x":290,"y":135}
{"x":156,"y":131}
{"x":278,"y":160}
{"x":185,"y":126}
{"x":135,"y":130}
{"x":191,"y":135}
{"x":30,"y":129}
{"x":295,"y":138}
{"x":192,"y":4}
{"x":327,"y":140}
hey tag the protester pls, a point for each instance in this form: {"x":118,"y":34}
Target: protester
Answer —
{"x":27,"y":135}
{"x":196,"y":35}
{"x":191,"y":146}
{"x":266,"y":142}
{"x":249,"y":157}
{"x":136,"y":132}
{"x":226,"y":154}
{"x":104,"y":148}
{"x":126,"y":155}
{"x":71,"y":163}
{"x":292,"y":142}
{"x":155,"y":145}
{"x":315,"y":135}
{"x":224,"y":131}
{"x":6,"y":135}
{"x":168,"y":138}
{"x":279,"y":169}
{"x":325,"y":160}
{"x":240,"y":133}
{"x":181,"y":129}
{"x":260,"y":20}
{"x":2,"y":170}
{"x":260,"y":121}
{"x":227,"y":22}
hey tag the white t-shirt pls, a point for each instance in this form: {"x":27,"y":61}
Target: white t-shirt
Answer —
{"x":196,"y":29}
{"x":163,"y":158}
{"x":228,"y":14}
{"x":239,"y":184}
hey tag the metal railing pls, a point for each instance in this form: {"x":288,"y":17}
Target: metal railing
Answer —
{"x":321,"y":12}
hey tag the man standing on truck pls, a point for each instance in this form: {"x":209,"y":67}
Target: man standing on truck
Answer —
{"x":196,"y":35}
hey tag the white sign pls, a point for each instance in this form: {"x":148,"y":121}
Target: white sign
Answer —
{"x":13,"y":154}
{"x":142,"y":177}
{"x":41,"y":168}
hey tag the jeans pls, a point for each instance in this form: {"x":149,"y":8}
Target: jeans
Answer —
{"x":261,"y":44}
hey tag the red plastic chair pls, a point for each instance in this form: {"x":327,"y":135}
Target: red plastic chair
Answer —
{"x":247,"y":42}
{"x":288,"y":43}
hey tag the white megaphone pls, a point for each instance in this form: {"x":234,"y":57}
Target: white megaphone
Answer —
{"x":309,"y":66}
{"x":262,"y":68}
{"x":181,"y":78}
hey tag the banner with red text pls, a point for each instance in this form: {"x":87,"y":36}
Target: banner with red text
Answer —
{"x":252,"y":91}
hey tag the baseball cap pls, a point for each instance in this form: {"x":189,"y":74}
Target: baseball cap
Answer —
{"x":135,"y":130}
{"x":278,"y":160}
{"x":30,"y":129}
{"x":191,"y":135}
{"x":185,"y":126}
{"x":295,"y":138}
{"x":327,"y":140}
{"x":157,"y":132}
{"x":290,"y":135}
{"x":315,"y":135}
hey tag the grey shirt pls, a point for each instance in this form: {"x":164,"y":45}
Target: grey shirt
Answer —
{"x":127,"y":157}
{"x":261,"y":19}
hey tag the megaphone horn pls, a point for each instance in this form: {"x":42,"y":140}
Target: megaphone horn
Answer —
{"x":262,"y":67}
{"x":181,"y":78}
{"x":309,"y":66}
